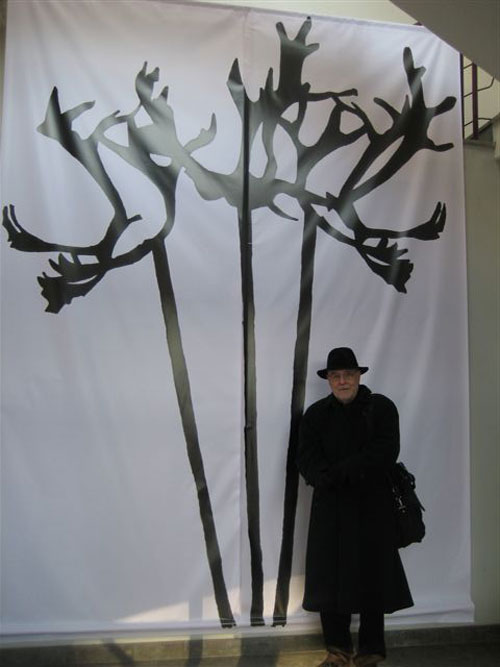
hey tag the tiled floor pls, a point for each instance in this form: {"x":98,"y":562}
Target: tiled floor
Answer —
{"x":478,"y":655}
{"x":465,"y":645}
{"x":481,"y":655}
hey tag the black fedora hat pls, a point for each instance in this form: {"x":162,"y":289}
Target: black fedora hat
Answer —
{"x":341,"y":358}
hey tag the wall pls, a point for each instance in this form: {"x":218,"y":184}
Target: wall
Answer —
{"x":3,"y":17}
{"x":482,"y":189}
{"x":377,"y":10}
{"x":482,"y":180}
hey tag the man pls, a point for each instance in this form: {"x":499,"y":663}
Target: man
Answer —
{"x":348,"y":441}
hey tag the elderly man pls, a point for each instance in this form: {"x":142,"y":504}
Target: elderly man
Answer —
{"x":348,"y":441}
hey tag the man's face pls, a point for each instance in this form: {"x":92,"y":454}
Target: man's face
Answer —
{"x":344,"y":384}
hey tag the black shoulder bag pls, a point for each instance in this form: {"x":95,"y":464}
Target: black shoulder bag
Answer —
{"x":408,"y":509}
{"x":410,"y":525}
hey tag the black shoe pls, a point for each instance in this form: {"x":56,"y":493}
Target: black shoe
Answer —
{"x":337,"y":657}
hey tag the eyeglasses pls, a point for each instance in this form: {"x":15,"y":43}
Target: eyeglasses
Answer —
{"x":337,"y":376}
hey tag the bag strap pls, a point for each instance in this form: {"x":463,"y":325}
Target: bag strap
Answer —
{"x":368,"y":413}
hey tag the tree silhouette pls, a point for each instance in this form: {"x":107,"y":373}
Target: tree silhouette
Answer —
{"x":77,"y":279}
{"x":406,"y":135}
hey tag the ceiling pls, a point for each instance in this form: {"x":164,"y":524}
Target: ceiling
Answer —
{"x":470,"y":26}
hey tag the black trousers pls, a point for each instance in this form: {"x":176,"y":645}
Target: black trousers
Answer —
{"x":337,"y":631}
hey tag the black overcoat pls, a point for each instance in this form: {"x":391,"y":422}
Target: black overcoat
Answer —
{"x":352,"y":562}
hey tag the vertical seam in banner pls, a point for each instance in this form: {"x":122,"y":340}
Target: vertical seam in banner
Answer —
{"x":250,"y":379}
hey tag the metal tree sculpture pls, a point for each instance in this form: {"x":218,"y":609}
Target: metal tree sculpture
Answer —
{"x":407,"y":134}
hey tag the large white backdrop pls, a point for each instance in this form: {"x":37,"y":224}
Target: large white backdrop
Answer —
{"x":110,"y":426}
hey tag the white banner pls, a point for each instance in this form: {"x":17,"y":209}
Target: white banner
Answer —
{"x":211,"y":199}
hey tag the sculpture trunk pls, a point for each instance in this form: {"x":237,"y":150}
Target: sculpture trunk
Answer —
{"x":297,"y":408}
{"x":184,"y":399}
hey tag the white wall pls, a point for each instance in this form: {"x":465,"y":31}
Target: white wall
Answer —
{"x":483,"y":240}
